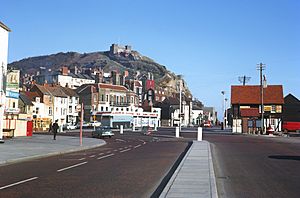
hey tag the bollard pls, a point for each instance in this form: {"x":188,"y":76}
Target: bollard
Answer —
{"x":133,"y":128}
{"x":155,"y":127}
{"x":177,"y":132}
{"x":199,"y":137}
{"x":121,"y":129}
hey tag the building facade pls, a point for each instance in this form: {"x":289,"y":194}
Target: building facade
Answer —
{"x":246,"y":108}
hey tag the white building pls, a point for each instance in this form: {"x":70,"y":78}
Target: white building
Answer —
{"x":4,"y":30}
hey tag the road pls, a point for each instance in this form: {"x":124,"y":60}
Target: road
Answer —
{"x":255,"y":166}
{"x":127,"y":166}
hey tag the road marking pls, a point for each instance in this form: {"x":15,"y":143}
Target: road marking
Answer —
{"x":17,"y":183}
{"x":120,"y":140}
{"x":115,"y":150}
{"x":142,"y":141}
{"x":125,"y":147}
{"x":92,"y":156}
{"x":125,"y":150}
{"x":120,"y":148}
{"x":69,"y":167}
{"x":129,"y":146}
{"x":108,"y":152}
{"x":105,"y":156}
{"x":137,"y":146}
{"x":100,"y":153}
{"x":81,"y":159}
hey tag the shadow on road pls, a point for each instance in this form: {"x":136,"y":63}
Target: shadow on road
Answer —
{"x":285,"y":157}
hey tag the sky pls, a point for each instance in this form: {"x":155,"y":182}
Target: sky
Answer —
{"x":210,"y":42}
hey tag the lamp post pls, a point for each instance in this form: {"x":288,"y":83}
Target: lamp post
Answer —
{"x":226,"y":118}
{"x":223,"y":107}
{"x":180,"y":90}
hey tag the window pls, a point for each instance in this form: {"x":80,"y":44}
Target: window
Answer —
{"x":102,"y":97}
{"x":70,"y":100}
{"x":106,"y":98}
{"x":37,"y":110}
{"x":106,"y":109}
{"x":50,"y":111}
{"x":38,"y":99}
{"x":70,"y":109}
{"x":14,"y":105}
{"x":102,"y":108}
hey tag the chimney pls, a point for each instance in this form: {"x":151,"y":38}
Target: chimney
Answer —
{"x":64,"y":70}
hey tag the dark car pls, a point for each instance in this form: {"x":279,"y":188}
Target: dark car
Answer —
{"x":103,"y":131}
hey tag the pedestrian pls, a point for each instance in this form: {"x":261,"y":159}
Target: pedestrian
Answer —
{"x":50,"y":127}
{"x":54,"y":129}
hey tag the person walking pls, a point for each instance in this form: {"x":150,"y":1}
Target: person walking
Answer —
{"x":50,"y":127}
{"x":54,"y":129}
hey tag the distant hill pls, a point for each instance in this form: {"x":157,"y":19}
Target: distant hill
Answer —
{"x":131,"y":60}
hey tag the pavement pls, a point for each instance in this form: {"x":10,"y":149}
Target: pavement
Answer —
{"x":194,"y":177}
{"x":19,"y":149}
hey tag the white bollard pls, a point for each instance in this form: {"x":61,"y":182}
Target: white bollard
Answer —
{"x":121,"y":129}
{"x":177,"y":132}
{"x":199,"y":137}
{"x":155,"y":127}
{"x":133,"y":128}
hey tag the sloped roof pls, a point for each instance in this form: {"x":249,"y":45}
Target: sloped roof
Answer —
{"x":57,"y":91}
{"x":26,"y":100}
{"x":69,"y":92}
{"x":250,"y":94}
{"x":291,"y":99}
{"x":114,"y":87}
{"x":4,"y":27}
{"x":43,"y":89}
{"x":32,"y":95}
{"x":251,"y":112}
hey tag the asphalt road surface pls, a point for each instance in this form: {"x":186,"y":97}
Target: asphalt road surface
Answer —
{"x":127,"y":166}
{"x":255,"y":166}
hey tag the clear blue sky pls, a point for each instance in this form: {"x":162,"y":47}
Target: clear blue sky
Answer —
{"x":210,"y":43}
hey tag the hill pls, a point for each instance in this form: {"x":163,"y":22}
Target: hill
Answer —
{"x":117,"y":58}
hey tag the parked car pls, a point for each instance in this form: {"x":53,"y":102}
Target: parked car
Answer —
{"x":95,"y":123}
{"x":103,"y":131}
{"x":207,"y":124}
{"x":69,"y":126}
{"x":84,"y":125}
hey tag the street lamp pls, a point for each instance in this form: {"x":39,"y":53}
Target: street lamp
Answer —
{"x":226,"y":118}
{"x":180,"y":90}
{"x":223,"y":108}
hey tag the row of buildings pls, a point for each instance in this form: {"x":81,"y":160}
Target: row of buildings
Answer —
{"x":32,"y":102}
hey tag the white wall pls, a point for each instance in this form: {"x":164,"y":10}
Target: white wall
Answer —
{"x":3,"y":67}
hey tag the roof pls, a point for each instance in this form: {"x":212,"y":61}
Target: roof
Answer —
{"x":114,"y":87}
{"x":69,"y":92}
{"x":250,"y":94}
{"x":57,"y":92}
{"x":26,"y":100}
{"x":250,"y":112}
{"x":4,"y":27}
{"x":32,"y":95}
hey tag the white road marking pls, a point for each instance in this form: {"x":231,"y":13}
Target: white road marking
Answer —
{"x":108,"y":152}
{"x":120,"y":140}
{"x":17,"y":183}
{"x":100,"y":153}
{"x":137,"y":146}
{"x":105,"y":156}
{"x":92,"y":156}
{"x":125,"y":150}
{"x":120,"y":148}
{"x":115,"y":150}
{"x":73,"y":166}
{"x":129,"y":146}
{"x":142,"y":141}
{"x":81,"y":159}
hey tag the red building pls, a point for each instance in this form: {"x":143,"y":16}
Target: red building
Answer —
{"x":246,"y":108}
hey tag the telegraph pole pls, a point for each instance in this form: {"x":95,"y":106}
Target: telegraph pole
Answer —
{"x":261,"y":67}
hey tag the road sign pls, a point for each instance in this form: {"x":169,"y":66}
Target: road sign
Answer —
{"x":78,"y":107}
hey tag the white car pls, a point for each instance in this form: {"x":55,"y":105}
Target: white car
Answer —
{"x":70,"y":126}
{"x":95,"y":124}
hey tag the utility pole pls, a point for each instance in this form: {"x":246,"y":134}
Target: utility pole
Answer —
{"x":223,"y":108}
{"x":180,"y":90}
{"x":261,"y":67}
